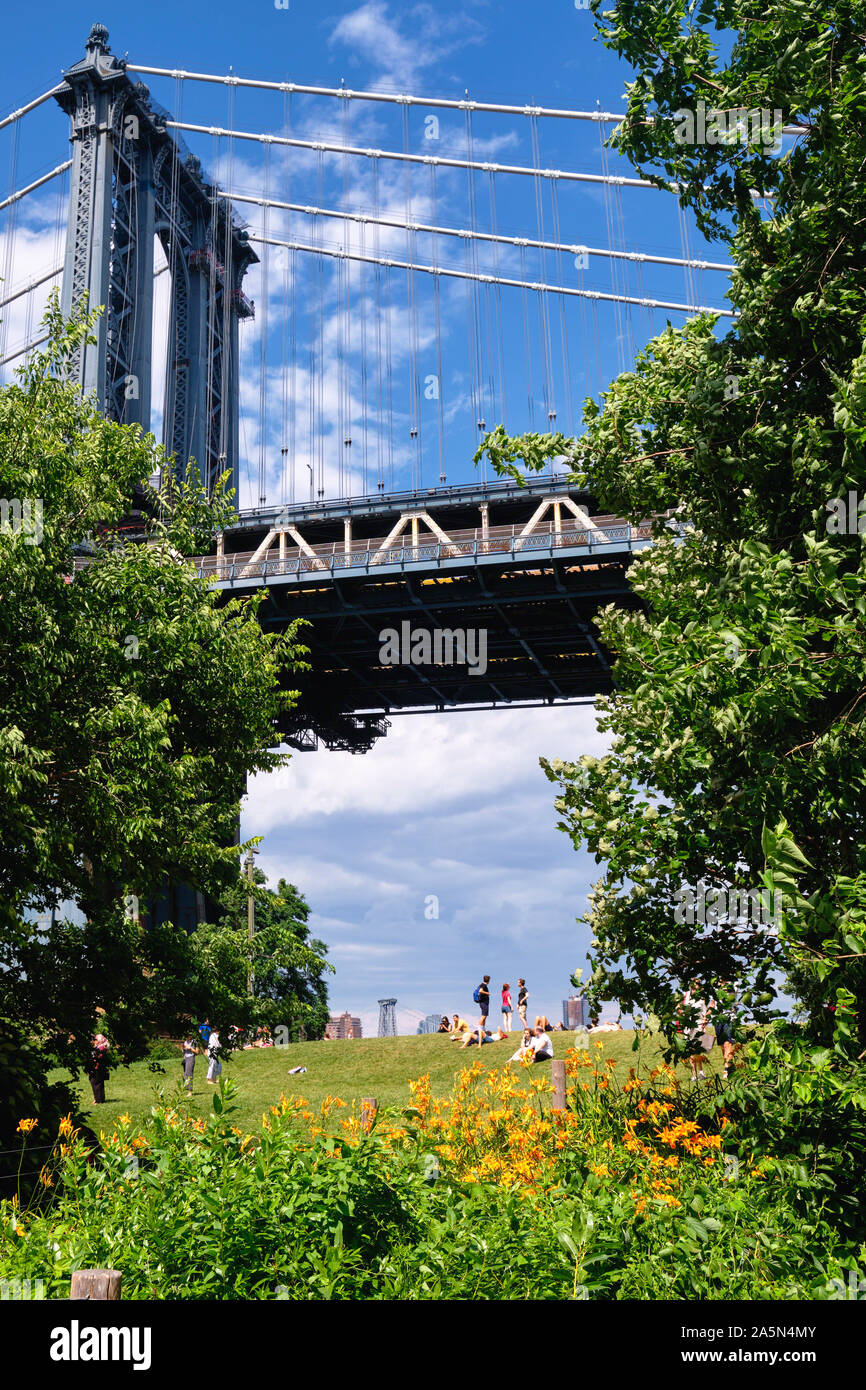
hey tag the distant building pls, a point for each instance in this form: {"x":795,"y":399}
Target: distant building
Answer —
{"x":574,"y":1012}
{"x":430,"y":1024}
{"x":343,"y":1026}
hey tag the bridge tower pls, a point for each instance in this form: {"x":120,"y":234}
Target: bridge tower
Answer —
{"x":387,"y":1018}
{"x":132,"y":183}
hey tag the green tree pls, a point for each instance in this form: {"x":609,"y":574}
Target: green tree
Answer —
{"x":737,"y":726}
{"x":288,"y":967}
{"x":133,"y":705}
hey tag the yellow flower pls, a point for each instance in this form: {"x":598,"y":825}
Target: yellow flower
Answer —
{"x":45,"y":1178}
{"x":601,"y":1170}
{"x":27,"y":1126}
{"x":65,"y":1126}
{"x":125,"y":1119}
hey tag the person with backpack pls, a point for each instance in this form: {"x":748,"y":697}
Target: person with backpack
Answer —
{"x":482,"y":999}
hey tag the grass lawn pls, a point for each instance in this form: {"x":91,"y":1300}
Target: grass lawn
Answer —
{"x":351,"y":1069}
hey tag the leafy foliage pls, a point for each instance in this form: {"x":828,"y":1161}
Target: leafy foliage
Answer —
{"x":287,"y":965}
{"x":133,"y":704}
{"x":737,"y":725}
{"x":487,"y":1195}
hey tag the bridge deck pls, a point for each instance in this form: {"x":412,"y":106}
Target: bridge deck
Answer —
{"x":532,"y":596}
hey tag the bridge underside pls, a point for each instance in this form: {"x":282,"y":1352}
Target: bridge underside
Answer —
{"x":540,"y":646}
{"x":380,"y":575}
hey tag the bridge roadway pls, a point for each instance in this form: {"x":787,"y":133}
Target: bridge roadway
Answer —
{"x":527,"y":567}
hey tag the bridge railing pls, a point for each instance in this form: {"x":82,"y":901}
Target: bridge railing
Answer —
{"x":371,"y":554}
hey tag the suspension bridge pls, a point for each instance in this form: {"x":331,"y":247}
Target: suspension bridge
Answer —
{"x":334,"y":316}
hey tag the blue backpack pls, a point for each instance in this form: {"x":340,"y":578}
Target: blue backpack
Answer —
{"x":477,"y":995}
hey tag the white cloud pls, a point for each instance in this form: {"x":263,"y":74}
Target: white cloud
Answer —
{"x":452,"y":806}
{"x":425,"y":764}
{"x":399,"y":52}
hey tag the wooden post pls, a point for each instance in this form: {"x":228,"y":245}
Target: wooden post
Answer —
{"x":369,"y":1106}
{"x":557,"y":1076}
{"x":97,"y":1285}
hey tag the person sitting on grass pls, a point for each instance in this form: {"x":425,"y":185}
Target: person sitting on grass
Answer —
{"x":525,"y":1047}
{"x":459,"y":1027}
{"x":542,"y":1047}
{"x":444,"y":1026}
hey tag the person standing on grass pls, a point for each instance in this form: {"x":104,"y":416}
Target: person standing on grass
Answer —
{"x":725,"y":1024}
{"x":98,"y":1073}
{"x":189,"y":1055}
{"x":482,"y":999}
{"x":522,"y":1000}
{"x":693,"y":1028}
{"x":215,"y":1066}
{"x":506,"y":1008}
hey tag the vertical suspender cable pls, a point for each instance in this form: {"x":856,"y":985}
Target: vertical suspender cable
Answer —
{"x":614,"y":264}
{"x":600,"y":373}
{"x":438,"y":322}
{"x":412,"y":310}
{"x":524,"y":296}
{"x":377,"y":284}
{"x":390,"y":378}
{"x":499,"y":327}
{"x":293,"y":383}
{"x":320,"y":380}
{"x":688,"y":271}
{"x":263,"y":353}
{"x":543,"y":311}
{"x":288,"y":321}
{"x":227,"y":287}
{"x":620,"y":222}
{"x":311,"y":386}
{"x":11,"y":219}
{"x":362,"y":296}
{"x":345,"y":437}
{"x":563,"y":325}
{"x":473,"y":299}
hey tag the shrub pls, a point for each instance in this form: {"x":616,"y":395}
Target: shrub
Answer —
{"x":486,"y":1195}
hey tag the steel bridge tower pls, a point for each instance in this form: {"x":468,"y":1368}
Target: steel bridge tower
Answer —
{"x":132,"y":183}
{"x":387,"y":1018}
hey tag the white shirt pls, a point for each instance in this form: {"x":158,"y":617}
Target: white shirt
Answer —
{"x":542,"y":1046}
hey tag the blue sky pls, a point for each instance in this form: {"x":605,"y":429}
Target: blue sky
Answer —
{"x":453,"y":806}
